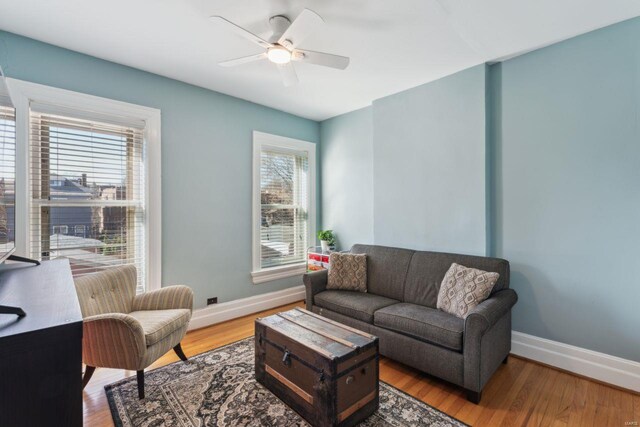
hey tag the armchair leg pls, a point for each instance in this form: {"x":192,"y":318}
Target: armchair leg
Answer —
{"x":474,"y":396}
{"x":88,"y":372}
{"x":506,"y":359}
{"x":180,"y":353}
{"x":140,"y":375}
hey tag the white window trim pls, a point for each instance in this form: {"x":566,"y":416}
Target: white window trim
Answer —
{"x":23,"y":93}
{"x":260,"y":141}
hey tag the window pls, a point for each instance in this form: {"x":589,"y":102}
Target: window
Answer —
{"x":60,"y":229}
{"x":283,"y":206}
{"x":87,"y":176}
{"x":80,"y":230}
{"x":93,"y":172}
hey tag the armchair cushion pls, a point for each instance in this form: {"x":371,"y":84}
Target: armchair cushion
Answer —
{"x":424,"y":323}
{"x":158,"y":324}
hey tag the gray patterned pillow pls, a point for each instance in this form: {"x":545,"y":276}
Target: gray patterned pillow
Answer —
{"x":347,"y":272}
{"x":463,"y":288}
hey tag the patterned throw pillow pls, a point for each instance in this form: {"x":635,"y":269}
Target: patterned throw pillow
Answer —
{"x":347,"y":272}
{"x":463,"y":288}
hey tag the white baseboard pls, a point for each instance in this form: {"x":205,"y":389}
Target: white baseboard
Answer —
{"x":242,"y":307}
{"x":602,"y":367}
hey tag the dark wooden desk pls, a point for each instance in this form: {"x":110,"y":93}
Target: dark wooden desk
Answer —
{"x":41,"y":353}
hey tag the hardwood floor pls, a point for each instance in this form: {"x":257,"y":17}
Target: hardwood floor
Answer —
{"x":521,"y":393}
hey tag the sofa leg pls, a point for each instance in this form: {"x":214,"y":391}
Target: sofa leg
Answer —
{"x":88,"y":372}
{"x":506,"y":359}
{"x":140,"y":375}
{"x":474,"y":396}
{"x":180,"y":353}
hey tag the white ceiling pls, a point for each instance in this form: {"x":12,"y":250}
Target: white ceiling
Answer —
{"x":393,"y":45}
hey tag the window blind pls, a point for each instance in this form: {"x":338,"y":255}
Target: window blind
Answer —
{"x":7,"y":176}
{"x":87,"y":193}
{"x":284,"y":207}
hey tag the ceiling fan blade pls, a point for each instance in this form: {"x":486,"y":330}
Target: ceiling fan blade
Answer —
{"x":288,"y":74}
{"x":306,"y":23}
{"x":319,"y":58}
{"x":242,"y":60}
{"x":241,"y":31}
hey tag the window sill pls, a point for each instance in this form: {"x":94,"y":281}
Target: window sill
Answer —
{"x":275,"y":273}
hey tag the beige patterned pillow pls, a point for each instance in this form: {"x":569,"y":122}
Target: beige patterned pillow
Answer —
{"x":463,"y":288}
{"x":347,"y":272}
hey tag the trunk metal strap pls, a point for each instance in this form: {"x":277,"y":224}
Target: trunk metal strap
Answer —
{"x":342,"y":341}
{"x":289,"y":355}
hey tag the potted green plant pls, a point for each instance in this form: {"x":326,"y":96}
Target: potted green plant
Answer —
{"x":327,"y":239}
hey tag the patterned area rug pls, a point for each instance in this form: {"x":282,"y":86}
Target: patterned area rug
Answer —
{"x":218,"y":388}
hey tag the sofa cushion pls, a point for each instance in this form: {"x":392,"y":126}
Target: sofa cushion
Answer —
{"x":158,"y":324}
{"x":423,"y":323}
{"x":348,"y":272}
{"x":464,"y":288}
{"x":386,"y":269}
{"x":358,"y":305}
{"x":427,"y":270}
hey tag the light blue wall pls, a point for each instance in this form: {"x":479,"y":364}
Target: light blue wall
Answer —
{"x":559,"y":185}
{"x":206,"y":161}
{"x":429,"y":165}
{"x":347,"y":176}
{"x":568,"y":189}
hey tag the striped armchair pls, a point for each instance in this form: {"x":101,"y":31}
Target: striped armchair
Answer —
{"x":123,"y":330}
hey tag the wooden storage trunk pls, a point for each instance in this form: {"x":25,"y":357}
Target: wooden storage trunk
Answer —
{"x":325,"y":371}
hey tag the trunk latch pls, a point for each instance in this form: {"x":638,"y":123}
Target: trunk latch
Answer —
{"x":286,"y":359}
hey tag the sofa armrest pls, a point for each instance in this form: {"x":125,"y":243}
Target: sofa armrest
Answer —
{"x":487,"y":338}
{"x":113,"y":340}
{"x":314,"y":283}
{"x":487,"y":313}
{"x":168,"y":298}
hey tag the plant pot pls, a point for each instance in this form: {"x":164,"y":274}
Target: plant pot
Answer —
{"x":325,"y":245}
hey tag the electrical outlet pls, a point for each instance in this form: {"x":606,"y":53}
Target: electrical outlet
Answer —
{"x":213,"y":300}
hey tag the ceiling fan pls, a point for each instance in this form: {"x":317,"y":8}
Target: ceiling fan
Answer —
{"x":282,"y":47}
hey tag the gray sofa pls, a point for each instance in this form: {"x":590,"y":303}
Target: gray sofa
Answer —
{"x":400,"y":308}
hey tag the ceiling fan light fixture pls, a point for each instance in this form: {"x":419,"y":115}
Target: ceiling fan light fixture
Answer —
{"x":282,"y":47}
{"x":279,"y":55}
